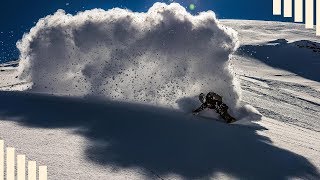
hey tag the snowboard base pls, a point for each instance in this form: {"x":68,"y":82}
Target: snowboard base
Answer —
{"x":221,"y":120}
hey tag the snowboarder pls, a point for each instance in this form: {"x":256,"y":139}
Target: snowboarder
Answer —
{"x":214,"y":101}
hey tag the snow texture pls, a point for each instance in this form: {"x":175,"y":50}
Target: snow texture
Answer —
{"x":80,"y":138}
{"x":158,"y":57}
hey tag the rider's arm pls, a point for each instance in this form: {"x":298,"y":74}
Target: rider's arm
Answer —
{"x":201,"y":108}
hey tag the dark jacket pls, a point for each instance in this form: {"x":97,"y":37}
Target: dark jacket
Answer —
{"x":212,"y":101}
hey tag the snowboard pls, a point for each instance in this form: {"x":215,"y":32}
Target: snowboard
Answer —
{"x":223,"y":119}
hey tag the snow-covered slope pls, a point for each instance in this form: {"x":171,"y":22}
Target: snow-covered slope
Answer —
{"x":278,"y":65}
{"x":90,"y":139}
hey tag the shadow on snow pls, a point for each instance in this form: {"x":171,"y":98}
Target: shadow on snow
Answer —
{"x":157,"y":139}
{"x":300,"y":57}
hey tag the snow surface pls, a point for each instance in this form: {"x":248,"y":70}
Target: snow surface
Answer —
{"x":86,"y":138}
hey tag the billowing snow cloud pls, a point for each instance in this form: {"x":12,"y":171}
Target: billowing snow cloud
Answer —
{"x":157,"y":57}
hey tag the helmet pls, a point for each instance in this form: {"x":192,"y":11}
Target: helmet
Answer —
{"x":214,"y":96}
